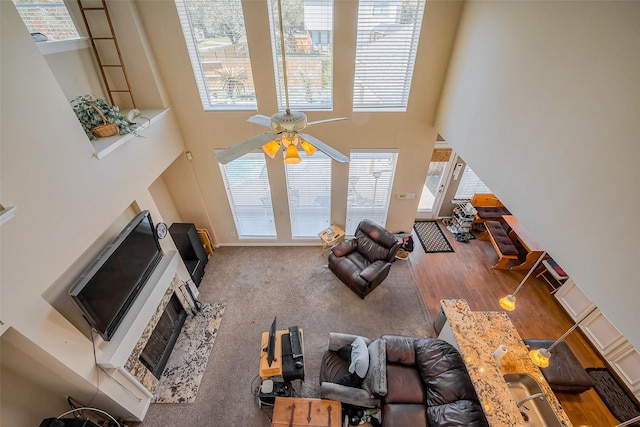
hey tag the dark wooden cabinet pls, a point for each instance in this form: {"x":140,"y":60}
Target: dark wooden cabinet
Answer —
{"x":186,"y":238}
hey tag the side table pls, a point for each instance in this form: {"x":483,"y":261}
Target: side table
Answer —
{"x":330,"y":236}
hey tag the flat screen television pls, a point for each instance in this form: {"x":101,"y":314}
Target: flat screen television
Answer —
{"x":110,"y":285}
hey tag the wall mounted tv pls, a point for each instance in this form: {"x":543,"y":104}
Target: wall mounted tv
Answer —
{"x":110,"y":285}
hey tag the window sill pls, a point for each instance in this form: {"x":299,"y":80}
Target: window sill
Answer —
{"x":104,"y":146}
{"x":52,"y":47}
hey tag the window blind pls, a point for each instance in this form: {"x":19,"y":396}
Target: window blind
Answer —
{"x":308,"y":29}
{"x":49,"y":17}
{"x":249,"y":195}
{"x":387,"y":41}
{"x":470,"y":184}
{"x":370,"y":182}
{"x":216,"y":40}
{"x":309,"y":190}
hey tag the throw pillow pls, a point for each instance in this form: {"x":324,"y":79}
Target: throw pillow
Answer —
{"x":359,"y":358}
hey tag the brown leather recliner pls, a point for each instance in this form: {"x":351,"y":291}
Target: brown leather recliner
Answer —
{"x":362,"y":263}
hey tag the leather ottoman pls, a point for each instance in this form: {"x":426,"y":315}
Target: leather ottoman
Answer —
{"x":564,"y":374}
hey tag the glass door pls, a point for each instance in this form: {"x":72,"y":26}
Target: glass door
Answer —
{"x":434,"y":185}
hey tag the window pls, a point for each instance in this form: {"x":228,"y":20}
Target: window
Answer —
{"x":308,"y":29}
{"x":249,"y":196}
{"x":387,"y":41}
{"x":309,"y":189}
{"x":49,"y":17}
{"x":469,"y":185}
{"x":217,"y":43}
{"x":370,"y":182}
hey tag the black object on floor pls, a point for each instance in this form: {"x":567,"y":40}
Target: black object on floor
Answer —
{"x":432,"y":237}
{"x":619,"y":403}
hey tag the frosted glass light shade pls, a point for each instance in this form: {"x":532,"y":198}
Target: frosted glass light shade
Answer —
{"x":291,"y":156}
{"x":271,"y":148}
{"x":508,"y":302}
{"x":308,"y":148}
{"x":540,"y":357}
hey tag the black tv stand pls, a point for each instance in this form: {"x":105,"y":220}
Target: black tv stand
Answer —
{"x":186,"y":238}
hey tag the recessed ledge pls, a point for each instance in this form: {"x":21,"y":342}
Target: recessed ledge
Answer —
{"x":104,"y":146}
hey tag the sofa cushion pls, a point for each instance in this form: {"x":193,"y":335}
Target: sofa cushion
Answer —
{"x":404,"y":385}
{"x":492,"y":212}
{"x":443,"y":372}
{"x":500,"y":236}
{"x":400,"y":349}
{"x":399,"y":415}
{"x":459,"y":413}
{"x":332,"y":367}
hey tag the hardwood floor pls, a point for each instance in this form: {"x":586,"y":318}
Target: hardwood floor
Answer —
{"x":467,"y":274}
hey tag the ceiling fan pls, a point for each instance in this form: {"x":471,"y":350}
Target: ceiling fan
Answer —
{"x":286,"y":127}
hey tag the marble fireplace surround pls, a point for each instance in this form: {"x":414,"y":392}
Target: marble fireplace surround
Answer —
{"x":123,"y":350}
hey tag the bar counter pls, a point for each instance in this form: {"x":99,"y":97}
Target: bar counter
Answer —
{"x":477,"y":335}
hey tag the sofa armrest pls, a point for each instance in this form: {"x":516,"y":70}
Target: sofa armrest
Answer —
{"x":338,"y":340}
{"x":345,"y":247}
{"x":373,"y":270}
{"x":350,"y":395}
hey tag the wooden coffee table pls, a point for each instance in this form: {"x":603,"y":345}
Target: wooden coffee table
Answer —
{"x":304,"y":412}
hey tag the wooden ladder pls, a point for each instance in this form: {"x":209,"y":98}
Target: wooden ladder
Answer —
{"x":98,"y":19}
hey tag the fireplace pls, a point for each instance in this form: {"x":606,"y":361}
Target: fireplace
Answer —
{"x":156,"y":352}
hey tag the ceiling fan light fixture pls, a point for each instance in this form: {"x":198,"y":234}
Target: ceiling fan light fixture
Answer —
{"x":291,"y":156}
{"x":271,"y":148}
{"x":308,"y":148}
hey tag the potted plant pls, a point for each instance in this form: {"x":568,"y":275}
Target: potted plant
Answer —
{"x":99,"y":119}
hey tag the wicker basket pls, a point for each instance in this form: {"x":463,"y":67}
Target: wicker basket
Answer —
{"x":105,"y":129}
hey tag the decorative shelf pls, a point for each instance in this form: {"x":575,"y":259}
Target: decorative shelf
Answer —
{"x":104,"y":146}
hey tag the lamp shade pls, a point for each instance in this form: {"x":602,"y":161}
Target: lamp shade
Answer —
{"x":271,"y":148}
{"x":291,"y":156}
{"x":540,"y":357}
{"x":508,"y":302}
{"x":308,"y":148}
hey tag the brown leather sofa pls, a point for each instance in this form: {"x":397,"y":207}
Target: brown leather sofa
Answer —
{"x":362,"y":263}
{"x":428,"y":385}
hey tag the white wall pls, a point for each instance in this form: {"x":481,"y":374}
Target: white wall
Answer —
{"x":66,"y":199}
{"x":412,"y":132}
{"x":542,"y":99}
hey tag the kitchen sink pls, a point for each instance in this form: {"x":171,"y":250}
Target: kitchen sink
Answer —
{"x":533,"y":405}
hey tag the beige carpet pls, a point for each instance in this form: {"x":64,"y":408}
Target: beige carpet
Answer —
{"x":257,"y":283}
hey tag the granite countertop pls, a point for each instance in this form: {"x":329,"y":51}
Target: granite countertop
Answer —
{"x":478,"y":334}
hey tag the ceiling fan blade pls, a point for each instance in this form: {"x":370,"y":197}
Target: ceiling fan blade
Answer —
{"x":259,"y":119}
{"x":317,"y":122}
{"x":325,"y":148}
{"x":227,"y":155}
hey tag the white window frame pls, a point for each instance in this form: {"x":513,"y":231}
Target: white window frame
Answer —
{"x":384,"y":71}
{"x":353,"y":217}
{"x":208,"y":104}
{"x":314,"y":197}
{"x":49,"y":5}
{"x":295,"y":65}
{"x":255,"y":178}
{"x":479,"y":186}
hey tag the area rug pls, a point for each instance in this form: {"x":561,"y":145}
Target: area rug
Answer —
{"x":619,"y":403}
{"x":181,"y":377}
{"x":431,"y":237}
{"x":258,"y":283}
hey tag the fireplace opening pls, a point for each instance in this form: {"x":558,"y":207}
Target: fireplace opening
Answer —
{"x":156,"y":353}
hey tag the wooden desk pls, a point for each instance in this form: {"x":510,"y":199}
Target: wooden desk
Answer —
{"x":520,"y":234}
{"x":304,"y":412}
{"x":275,"y":369}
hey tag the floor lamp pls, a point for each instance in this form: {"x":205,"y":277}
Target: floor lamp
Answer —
{"x":509,"y":302}
{"x":541,"y":356}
